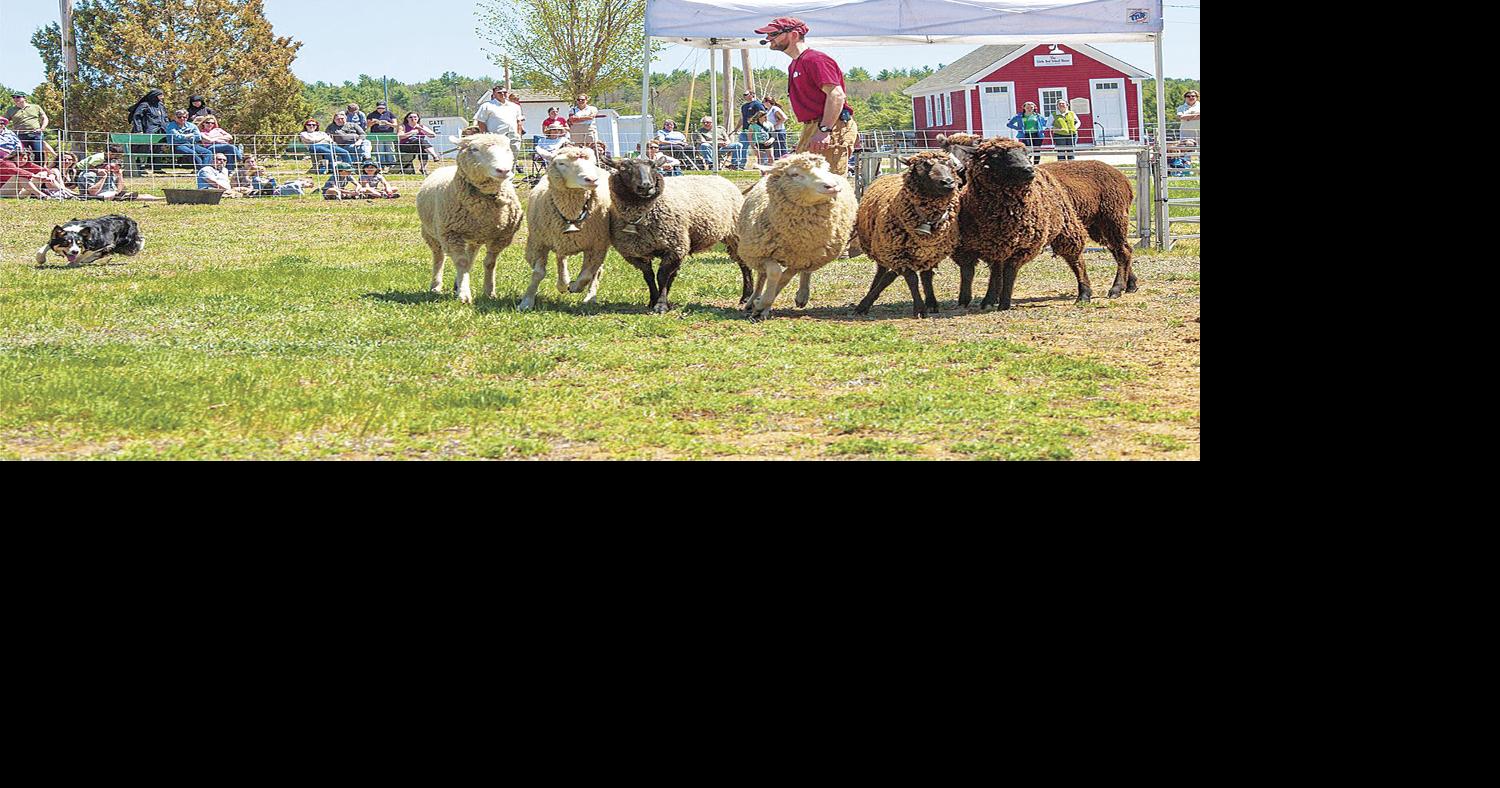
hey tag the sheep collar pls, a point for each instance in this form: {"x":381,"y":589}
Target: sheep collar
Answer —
{"x":927,"y":223}
{"x":632,"y":227}
{"x":588,"y":205}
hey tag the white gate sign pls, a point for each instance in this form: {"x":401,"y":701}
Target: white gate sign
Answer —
{"x":1052,"y":60}
{"x":1080,"y":106}
{"x":445,"y":128}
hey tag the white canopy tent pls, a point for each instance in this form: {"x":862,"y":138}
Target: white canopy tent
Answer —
{"x":730,"y":24}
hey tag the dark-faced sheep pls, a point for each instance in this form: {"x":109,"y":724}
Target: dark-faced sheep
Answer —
{"x":468,"y":206}
{"x":1101,"y":195}
{"x":908,"y":224}
{"x":1010,"y":210}
{"x":795,"y":220}
{"x":567,"y":213}
{"x":653,"y":216}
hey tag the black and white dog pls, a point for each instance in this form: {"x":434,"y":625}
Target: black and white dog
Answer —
{"x":87,"y":240}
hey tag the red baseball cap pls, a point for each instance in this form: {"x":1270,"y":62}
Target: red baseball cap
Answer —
{"x":784,"y":24}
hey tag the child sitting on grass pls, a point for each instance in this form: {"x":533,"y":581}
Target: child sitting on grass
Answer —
{"x":372,"y":184}
{"x":341,"y":184}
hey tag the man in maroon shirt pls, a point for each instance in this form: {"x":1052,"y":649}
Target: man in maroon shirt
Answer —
{"x":815,"y":86}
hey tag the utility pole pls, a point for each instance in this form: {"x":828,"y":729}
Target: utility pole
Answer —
{"x":749,"y":75}
{"x":70,"y":56}
{"x":507,"y":75}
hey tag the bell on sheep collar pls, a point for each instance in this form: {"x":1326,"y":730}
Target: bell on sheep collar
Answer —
{"x":630,"y":228}
{"x":573,"y":223}
{"x":925,"y":228}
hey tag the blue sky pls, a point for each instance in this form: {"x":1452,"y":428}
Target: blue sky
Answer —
{"x":420,"y":40}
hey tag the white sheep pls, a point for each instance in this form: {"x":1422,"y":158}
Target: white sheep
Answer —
{"x":467,"y":206}
{"x":566,"y":214}
{"x":795,"y":220}
{"x":653,"y":216}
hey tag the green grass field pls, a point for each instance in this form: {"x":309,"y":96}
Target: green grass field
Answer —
{"x":298,"y":328}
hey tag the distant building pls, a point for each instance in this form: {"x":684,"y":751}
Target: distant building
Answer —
{"x":534,"y":104}
{"x":982,"y":90}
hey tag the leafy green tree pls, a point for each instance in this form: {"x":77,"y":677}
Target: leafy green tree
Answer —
{"x":222,"y":49}
{"x":569,"y":46}
{"x":857,"y":74}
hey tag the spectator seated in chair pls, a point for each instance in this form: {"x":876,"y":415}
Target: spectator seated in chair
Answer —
{"x":707,"y":135}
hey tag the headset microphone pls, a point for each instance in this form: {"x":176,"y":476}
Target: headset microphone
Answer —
{"x":765,"y":41}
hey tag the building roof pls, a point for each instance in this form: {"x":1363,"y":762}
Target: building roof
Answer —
{"x":982,"y":61}
{"x":537,"y":96}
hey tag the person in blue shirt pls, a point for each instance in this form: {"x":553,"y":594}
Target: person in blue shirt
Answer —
{"x":673,"y":142}
{"x":183,"y":136}
{"x":1030,"y":127}
{"x":748,"y":109}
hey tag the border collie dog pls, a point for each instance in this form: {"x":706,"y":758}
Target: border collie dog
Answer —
{"x":86,"y":240}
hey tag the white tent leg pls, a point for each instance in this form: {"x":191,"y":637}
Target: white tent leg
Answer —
{"x":1160,"y":177}
{"x":713,"y":107}
{"x":645,"y":87}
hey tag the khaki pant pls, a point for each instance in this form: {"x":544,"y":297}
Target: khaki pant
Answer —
{"x":840,"y":143}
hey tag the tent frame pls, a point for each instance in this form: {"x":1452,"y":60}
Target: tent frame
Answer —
{"x":1159,"y":172}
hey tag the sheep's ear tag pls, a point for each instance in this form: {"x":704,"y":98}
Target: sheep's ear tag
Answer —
{"x":925,"y":228}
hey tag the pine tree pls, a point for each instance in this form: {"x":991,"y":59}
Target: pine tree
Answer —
{"x":224,"y":50}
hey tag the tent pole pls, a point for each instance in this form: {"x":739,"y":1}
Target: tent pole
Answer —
{"x":645,"y":87}
{"x":1160,"y":178}
{"x":713,"y":108}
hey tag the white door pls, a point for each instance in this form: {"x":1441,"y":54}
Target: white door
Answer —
{"x":1108,"y":99}
{"x":997,"y":105}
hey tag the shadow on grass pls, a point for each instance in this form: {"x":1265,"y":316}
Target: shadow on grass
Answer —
{"x":96,"y":264}
{"x":894,"y":310}
{"x":506,"y":302}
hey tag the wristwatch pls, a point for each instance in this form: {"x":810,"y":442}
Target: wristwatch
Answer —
{"x":825,"y":129}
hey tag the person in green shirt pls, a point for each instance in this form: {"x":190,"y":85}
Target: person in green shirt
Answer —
{"x":1030,"y":126}
{"x":1064,"y":131}
{"x":28,"y":121}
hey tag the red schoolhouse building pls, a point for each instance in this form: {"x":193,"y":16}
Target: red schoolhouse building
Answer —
{"x":982,"y":90}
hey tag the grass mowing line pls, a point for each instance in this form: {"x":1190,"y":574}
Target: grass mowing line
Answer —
{"x":302,"y":329}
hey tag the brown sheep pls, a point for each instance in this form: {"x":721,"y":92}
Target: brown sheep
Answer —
{"x":908,"y":224}
{"x":1101,"y":195}
{"x":1009,"y":210}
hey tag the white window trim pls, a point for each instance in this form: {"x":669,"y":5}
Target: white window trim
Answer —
{"x":1044,"y":106}
{"x":930,"y":124}
{"x":947,"y":109}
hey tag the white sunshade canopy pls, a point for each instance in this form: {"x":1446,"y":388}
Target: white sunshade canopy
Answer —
{"x":730,"y":24}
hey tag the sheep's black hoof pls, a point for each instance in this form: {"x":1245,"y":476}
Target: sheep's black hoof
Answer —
{"x":662,"y":307}
{"x":1114,"y":292}
{"x":920,"y":315}
{"x":860,"y":309}
{"x":1130,"y":287}
{"x":1085,"y":296}
{"x":932,"y":306}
